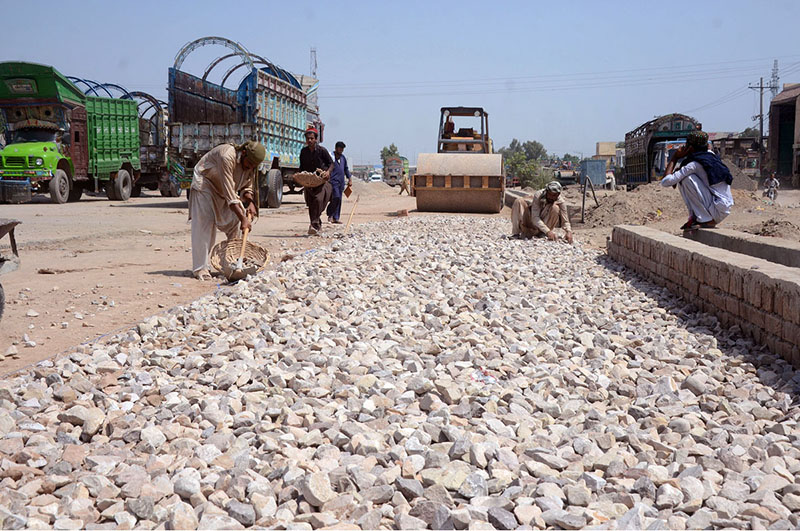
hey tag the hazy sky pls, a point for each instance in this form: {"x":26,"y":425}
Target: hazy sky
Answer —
{"x":567,"y":74}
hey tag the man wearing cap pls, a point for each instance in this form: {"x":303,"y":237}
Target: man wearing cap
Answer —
{"x":313,"y":157}
{"x":340,"y":171}
{"x":222,"y":196}
{"x":704,"y":181}
{"x":540,"y":217}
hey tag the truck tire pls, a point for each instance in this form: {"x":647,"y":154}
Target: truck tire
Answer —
{"x":75,"y":193}
{"x":123,"y":186}
{"x":110,"y":193}
{"x":170,"y":189}
{"x":59,"y":187}
{"x":274,"y":188}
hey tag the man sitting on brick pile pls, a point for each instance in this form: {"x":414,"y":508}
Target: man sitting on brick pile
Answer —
{"x":705,"y":182}
{"x":542,"y":215}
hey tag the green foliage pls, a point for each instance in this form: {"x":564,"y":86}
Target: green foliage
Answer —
{"x":387,"y":152}
{"x":571,"y":158}
{"x":750,"y":132}
{"x":521,"y":161}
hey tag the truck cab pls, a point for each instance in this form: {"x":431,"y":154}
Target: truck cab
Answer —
{"x":662,"y":151}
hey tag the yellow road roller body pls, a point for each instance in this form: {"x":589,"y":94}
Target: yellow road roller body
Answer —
{"x":464,"y":176}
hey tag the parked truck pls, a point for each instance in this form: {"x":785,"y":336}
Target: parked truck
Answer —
{"x":61,"y":141}
{"x":270,"y":105}
{"x":647,"y":146}
{"x":393,"y":170}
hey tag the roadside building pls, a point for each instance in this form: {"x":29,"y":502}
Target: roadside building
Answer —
{"x":784,"y":133}
{"x":606,"y":151}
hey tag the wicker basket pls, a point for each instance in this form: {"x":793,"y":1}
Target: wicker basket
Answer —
{"x":308,"y":179}
{"x":225,"y":254}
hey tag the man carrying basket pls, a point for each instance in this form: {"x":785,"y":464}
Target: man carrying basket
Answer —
{"x":314,"y":157}
{"x":223,"y":194}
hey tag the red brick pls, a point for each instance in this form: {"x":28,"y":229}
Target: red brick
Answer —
{"x":735,"y":282}
{"x":731,"y":304}
{"x":773,"y":324}
{"x":767,"y":294}
{"x":752,"y":291}
{"x":790,"y":332}
{"x":754,"y":315}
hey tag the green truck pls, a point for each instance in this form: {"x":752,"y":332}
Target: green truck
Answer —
{"x":62,"y":142}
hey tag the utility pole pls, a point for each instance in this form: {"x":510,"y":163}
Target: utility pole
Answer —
{"x":760,"y":87}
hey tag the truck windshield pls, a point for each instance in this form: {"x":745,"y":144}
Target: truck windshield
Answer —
{"x":33,"y":135}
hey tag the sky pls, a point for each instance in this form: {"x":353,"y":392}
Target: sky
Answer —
{"x":565,"y":73}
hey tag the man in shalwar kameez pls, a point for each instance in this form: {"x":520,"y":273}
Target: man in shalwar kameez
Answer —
{"x":542,"y":215}
{"x":222,"y":196}
{"x":338,"y":173}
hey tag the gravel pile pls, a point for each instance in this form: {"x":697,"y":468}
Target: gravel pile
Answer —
{"x":424,"y":372}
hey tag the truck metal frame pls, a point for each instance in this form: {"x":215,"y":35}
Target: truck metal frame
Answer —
{"x":270,"y":105}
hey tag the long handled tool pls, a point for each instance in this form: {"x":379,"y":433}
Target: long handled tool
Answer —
{"x":240,"y":262}
{"x":351,"y":214}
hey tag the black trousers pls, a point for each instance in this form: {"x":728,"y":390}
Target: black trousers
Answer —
{"x":317,"y":199}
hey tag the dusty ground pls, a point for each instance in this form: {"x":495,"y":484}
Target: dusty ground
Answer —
{"x":94,"y":267}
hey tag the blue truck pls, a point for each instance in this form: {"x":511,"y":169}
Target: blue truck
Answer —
{"x":269,"y":104}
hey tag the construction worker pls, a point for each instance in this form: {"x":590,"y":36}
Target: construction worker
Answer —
{"x":224,"y":193}
{"x":542,"y":215}
{"x":313,"y":157}
{"x":404,"y":184}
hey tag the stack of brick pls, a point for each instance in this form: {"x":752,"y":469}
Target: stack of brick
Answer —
{"x":761,"y":297}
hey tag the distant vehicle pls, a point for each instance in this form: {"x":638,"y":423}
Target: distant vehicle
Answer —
{"x":643,"y":146}
{"x":375,"y":178}
{"x":662,"y":151}
{"x":393,"y":170}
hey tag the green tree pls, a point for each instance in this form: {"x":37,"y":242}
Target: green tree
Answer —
{"x":750,"y":132}
{"x":387,"y":152}
{"x":571,"y":158}
{"x":534,"y":150}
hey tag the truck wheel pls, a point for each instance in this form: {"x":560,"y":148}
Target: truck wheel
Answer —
{"x":123,"y":186}
{"x":2,"y":301}
{"x":110,"y":193}
{"x":274,"y":188}
{"x":75,"y":193}
{"x":59,"y":187}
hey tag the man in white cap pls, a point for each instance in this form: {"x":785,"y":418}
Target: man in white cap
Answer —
{"x":541,"y":215}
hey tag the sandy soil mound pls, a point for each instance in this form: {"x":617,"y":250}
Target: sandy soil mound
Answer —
{"x":777,"y":228}
{"x":649,"y":203}
{"x":741,"y":181}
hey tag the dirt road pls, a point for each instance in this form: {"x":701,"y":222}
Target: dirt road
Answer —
{"x":95,"y":266}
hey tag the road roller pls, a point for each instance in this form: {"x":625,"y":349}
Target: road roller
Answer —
{"x":464,"y":175}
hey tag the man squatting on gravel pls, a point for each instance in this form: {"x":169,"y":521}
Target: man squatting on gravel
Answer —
{"x":704,"y":180}
{"x":540,"y":217}
{"x":313,"y":157}
{"x":222,"y":179}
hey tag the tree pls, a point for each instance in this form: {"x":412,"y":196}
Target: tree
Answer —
{"x":571,"y":158}
{"x":534,"y":150}
{"x":387,"y":152}
{"x":750,"y":132}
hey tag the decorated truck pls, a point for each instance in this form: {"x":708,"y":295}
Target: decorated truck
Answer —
{"x":647,"y":145}
{"x":62,"y":142}
{"x":269,"y":104}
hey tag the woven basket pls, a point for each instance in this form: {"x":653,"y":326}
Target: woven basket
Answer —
{"x":225,"y":254}
{"x":308,"y":179}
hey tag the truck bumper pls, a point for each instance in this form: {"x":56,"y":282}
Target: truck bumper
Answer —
{"x":15,"y":191}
